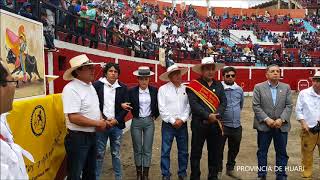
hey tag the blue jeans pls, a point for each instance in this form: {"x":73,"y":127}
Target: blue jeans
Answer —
{"x":115,"y":136}
{"x":280,"y":140}
{"x":81,"y":155}
{"x":168,"y":133}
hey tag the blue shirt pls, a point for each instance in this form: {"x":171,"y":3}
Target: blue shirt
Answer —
{"x":273,"y":90}
{"x":235,"y":99}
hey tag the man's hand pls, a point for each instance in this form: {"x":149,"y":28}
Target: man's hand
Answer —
{"x":113,"y":122}
{"x":126,"y":106}
{"x":304,"y":125}
{"x":213,"y":118}
{"x":109,"y":125}
{"x":101,"y":125}
{"x":277,"y":123}
{"x":270,"y":122}
{"x":178,"y":123}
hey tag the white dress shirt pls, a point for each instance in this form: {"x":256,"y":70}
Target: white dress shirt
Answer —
{"x":109,"y":91}
{"x":173,"y":103}
{"x":80,"y":97}
{"x":308,"y":107}
{"x":144,"y":103}
{"x":12,"y":165}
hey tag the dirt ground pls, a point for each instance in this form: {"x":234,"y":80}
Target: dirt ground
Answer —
{"x":246,"y":156}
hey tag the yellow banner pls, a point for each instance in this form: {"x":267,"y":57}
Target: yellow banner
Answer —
{"x":38,"y":126}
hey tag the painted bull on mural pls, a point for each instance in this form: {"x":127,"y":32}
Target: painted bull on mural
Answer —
{"x":30,"y":63}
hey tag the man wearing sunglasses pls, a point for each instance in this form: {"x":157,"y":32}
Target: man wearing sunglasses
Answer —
{"x":231,"y":121}
{"x":83,"y":118}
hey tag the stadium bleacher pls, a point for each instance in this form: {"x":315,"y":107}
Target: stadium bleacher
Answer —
{"x":141,"y":29}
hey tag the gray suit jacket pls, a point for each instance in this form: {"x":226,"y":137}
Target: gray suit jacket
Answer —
{"x":263,"y":106}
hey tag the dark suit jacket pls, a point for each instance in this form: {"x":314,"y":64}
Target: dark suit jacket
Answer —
{"x":121,"y":97}
{"x":263,"y":107}
{"x":200,"y":111}
{"x":134,"y":100}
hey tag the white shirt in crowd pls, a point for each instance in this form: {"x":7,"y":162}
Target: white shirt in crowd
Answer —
{"x":144,"y":103}
{"x":175,"y":29}
{"x":11,"y":154}
{"x":308,"y":107}
{"x":109,"y":92}
{"x":173,"y":103}
{"x":80,"y":97}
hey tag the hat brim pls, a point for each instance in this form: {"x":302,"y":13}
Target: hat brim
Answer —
{"x":136,"y":73}
{"x":165,"y":76}
{"x":197,"y":68}
{"x":67,"y":74}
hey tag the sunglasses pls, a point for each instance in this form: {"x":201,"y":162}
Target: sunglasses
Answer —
{"x":230,"y":75}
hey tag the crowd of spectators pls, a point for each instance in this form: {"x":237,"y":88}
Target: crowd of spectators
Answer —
{"x":144,"y":28}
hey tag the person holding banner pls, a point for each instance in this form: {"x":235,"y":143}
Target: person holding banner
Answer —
{"x":272,"y":106}
{"x":174,"y":110}
{"x":83,"y":119}
{"x":308,"y":114}
{"x":208,"y":103}
{"x":11,"y":154}
{"x":112,"y":93}
{"x":143,"y":103}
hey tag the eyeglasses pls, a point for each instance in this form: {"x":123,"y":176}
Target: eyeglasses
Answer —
{"x":230,"y":75}
{"x":13,"y":83}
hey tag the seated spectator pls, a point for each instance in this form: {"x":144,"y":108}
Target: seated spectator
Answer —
{"x":48,"y":32}
{"x":26,"y":11}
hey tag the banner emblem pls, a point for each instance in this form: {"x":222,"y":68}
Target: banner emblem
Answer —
{"x":38,"y":120}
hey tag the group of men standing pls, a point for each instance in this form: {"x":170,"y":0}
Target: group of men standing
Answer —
{"x":95,"y":113}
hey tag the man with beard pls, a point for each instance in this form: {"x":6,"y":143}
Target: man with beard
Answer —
{"x":231,"y":121}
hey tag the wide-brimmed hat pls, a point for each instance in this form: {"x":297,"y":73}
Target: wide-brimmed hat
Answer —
{"x":75,"y":63}
{"x":165,"y":76}
{"x":316,"y":75}
{"x":143,"y":71}
{"x":206,"y":61}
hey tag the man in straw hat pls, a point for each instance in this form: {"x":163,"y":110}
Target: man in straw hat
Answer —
{"x":111,"y":93}
{"x":272,"y":106}
{"x":174,"y":110}
{"x":308,"y":114}
{"x":83,"y":118}
{"x":208,"y":102}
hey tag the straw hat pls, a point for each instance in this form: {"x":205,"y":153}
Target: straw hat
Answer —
{"x":75,"y":63}
{"x":143,"y":71}
{"x":205,"y":61}
{"x":165,"y":76}
{"x":316,"y":75}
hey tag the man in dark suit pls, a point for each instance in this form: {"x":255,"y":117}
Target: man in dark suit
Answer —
{"x":112,"y":94}
{"x":272,"y":106}
{"x":207,"y":101}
